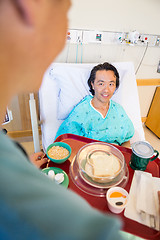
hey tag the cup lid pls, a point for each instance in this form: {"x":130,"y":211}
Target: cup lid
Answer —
{"x":142,"y":149}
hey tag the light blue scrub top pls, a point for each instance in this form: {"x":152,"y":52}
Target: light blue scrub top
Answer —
{"x":32,"y":206}
{"x":85,"y":120}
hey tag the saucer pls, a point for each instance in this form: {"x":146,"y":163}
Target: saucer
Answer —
{"x":65,"y":183}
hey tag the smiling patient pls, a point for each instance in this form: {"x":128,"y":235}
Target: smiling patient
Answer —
{"x":98,"y":117}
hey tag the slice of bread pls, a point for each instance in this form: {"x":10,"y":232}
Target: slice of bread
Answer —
{"x":104,"y":164}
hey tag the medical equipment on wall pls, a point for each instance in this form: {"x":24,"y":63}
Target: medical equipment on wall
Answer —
{"x":78,"y":39}
{"x":132,"y":37}
{"x":110,"y":37}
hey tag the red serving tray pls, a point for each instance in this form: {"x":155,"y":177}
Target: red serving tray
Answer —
{"x":100,"y":203}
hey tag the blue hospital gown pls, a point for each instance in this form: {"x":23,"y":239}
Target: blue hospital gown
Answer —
{"x":85,"y":120}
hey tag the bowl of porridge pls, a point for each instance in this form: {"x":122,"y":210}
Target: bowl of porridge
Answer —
{"x":58,"y":152}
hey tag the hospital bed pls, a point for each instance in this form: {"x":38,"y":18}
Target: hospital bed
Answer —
{"x":65,"y":84}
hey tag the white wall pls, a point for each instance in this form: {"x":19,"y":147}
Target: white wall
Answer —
{"x":118,"y":16}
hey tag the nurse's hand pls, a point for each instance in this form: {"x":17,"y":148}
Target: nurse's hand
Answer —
{"x":38,"y":159}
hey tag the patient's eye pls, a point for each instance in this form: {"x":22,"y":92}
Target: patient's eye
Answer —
{"x":100,"y":83}
{"x":112,"y":84}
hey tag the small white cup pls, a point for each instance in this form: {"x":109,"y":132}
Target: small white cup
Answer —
{"x":117,"y":199}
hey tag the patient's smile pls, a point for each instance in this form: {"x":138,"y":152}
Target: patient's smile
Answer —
{"x":105,"y":95}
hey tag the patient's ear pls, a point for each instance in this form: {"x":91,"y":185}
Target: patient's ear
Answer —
{"x":92,"y":85}
{"x":25,"y":10}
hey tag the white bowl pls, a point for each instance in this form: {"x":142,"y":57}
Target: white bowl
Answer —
{"x":117,"y":199}
{"x":85,"y":168}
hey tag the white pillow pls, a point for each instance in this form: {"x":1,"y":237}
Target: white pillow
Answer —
{"x":72,"y":86}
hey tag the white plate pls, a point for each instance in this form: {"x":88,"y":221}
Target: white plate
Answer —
{"x":93,"y":183}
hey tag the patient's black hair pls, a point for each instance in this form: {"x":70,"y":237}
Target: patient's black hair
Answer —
{"x":104,"y":66}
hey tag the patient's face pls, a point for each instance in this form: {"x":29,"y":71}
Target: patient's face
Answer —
{"x":104,"y":85}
